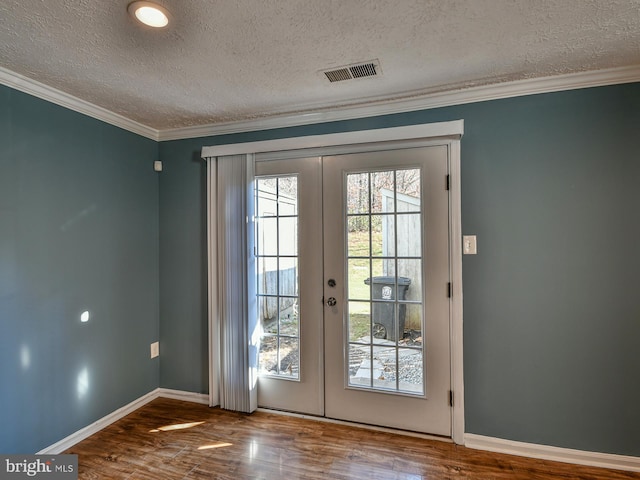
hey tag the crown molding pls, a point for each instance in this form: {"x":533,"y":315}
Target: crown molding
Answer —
{"x":533,"y":86}
{"x":44,"y":92}
{"x":572,"y":81}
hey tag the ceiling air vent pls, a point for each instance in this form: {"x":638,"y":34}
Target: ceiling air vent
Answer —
{"x":350,"y":72}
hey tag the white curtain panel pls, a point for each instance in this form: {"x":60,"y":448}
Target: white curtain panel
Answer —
{"x":233,"y":325}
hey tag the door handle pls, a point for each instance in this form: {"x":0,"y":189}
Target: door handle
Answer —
{"x":331,"y":301}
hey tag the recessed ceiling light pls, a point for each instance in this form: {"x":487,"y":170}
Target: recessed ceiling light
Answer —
{"x":149,"y":13}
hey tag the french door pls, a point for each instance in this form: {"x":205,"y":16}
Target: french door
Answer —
{"x":289,"y":284}
{"x":387,"y":358}
{"x":353,"y":256}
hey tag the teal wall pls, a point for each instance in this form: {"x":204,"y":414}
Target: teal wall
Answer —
{"x":78,"y":231}
{"x":551,"y":310}
{"x":183,"y":274}
{"x":549,"y":185}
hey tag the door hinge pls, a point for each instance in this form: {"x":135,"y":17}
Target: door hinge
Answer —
{"x":449,"y":290}
{"x":451,"y":398}
{"x":448,"y":182}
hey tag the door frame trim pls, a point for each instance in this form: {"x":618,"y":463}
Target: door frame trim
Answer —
{"x":455,"y":247}
{"x":453,"y":131}
{"x":379,"y":135}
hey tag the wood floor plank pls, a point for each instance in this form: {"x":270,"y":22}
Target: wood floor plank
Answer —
{"x":173,"y":440}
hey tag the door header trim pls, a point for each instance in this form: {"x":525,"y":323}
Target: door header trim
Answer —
{"x":453,"y":129}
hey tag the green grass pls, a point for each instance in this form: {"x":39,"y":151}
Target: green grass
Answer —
{"x":359,"y":244}
{"x":359,"y":268}
{"x":359,"y":326}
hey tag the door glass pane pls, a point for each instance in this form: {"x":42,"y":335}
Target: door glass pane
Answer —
{"x":385,"y":376}
{"x":287,"y":196}
{"x":412,"y":326}
{"x":410,"y":370}
{"x":289,"y":357}
{"x":288,"y":276}
{"x":382,"y":235}
{"x":268,"y":201}
{"x":383,"y":267}
{"x":267,"y":275}
{"x":267,"y":235}
{"x":277,"y":279}
{"x":358,"y":193}
{"x":408,"y":192}
{"x":382,"y":192}
{"x":358,"y":236}
{"x":384,"y":272}
{"x":288,"y":235}
{"x":288,"y":316}
{"x":359,"y":366}
{"x":411,"y":270}
{"x":358,"y":273}
{"x":268,"y":311}
{"x":359,"y":322}
{"x":409,"y":235}
{"x":269,"y":355}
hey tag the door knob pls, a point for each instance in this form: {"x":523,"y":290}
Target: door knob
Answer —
{"x":331,"y":301}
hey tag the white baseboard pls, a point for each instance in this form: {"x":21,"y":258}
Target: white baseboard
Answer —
{"x":113,"y":417}
{"x":558,"y":454}
{"x":98,"y":425}
{"x":185,"y":396}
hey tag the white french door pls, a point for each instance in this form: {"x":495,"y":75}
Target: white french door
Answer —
{"x":289,"y":284}
{"x":387,"y":346}
{"x":353,"y":273}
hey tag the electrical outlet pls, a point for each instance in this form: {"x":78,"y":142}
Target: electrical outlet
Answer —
{"x":469,"y":245}
{"x":155,"y":349}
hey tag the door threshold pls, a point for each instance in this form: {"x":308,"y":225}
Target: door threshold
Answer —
{"x":366,"y":426}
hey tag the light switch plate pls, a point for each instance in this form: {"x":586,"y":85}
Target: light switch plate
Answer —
{"x":155,"y":349}
{"x":469,"y":245}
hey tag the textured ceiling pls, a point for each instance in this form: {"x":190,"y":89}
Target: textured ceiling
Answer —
{"x":231,"y":60}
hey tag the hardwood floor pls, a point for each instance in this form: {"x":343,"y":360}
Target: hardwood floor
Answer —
{"x":169,"y":439}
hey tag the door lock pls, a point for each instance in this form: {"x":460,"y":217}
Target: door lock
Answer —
{"x":331,"y":282}
{"x":331,"y":301}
